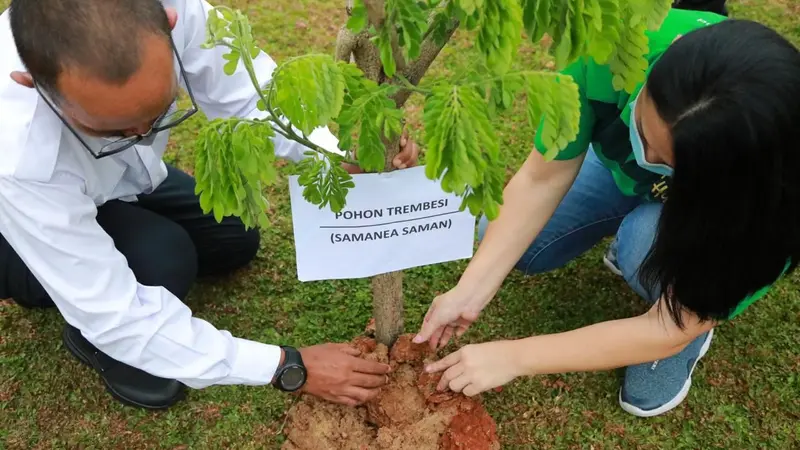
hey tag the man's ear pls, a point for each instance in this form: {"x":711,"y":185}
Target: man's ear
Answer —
{"x":172,"y":16}
{"x":23,"y":79}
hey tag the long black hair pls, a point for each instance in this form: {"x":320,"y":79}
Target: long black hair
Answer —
{"x":731,"y":95}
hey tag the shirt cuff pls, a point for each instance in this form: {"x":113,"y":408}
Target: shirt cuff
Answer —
{"x":255,"y":364}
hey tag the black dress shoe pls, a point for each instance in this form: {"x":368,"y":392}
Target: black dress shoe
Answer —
{"x":127,"y":384}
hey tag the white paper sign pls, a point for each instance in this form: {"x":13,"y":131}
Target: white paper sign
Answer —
{"x":392,"y":221}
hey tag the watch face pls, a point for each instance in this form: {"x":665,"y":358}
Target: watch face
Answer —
{"x":293,"y":378}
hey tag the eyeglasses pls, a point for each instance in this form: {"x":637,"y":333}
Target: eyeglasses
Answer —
{"x":170,"y":118}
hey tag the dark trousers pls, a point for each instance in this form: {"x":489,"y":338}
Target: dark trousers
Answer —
{"x":714,"y":6}
{"x":165,"y":236}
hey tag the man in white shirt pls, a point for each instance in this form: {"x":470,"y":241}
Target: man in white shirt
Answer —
{"x":94,"y":223}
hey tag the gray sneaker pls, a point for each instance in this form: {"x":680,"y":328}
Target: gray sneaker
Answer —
{"x":653,"y":388}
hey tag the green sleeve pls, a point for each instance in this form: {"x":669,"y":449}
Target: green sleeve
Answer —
{"x":758,"y":294}
{"x":575,"y":148}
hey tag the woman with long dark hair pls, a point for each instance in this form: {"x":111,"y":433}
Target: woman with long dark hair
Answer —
{"x":696,"y":174}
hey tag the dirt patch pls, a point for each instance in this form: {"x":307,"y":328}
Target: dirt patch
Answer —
{"x":407,"y":415}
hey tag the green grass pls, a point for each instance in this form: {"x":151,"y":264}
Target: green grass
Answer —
{"x":745,"y":393}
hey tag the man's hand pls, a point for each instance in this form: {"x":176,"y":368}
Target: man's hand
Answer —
{"x":408,"y":156}
{"x":337,"y":374}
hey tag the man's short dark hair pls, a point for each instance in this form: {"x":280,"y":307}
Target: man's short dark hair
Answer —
{"x":102,"y":37}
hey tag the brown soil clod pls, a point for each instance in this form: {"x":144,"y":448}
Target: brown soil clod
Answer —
{"x":408,"y":414}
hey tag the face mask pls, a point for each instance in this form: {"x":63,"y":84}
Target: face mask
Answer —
{"x":638,"y":148}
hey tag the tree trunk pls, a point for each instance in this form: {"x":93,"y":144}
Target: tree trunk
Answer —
{"x":387,"y":289}
{"x":387,"y":306}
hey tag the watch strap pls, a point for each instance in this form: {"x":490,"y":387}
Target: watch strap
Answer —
{"x":291,"y":359}
{"x":291,"y":356}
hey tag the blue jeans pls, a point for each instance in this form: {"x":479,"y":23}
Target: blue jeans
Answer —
{"x":594,"y":208}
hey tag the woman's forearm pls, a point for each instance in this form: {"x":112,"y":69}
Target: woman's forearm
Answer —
{"x":606,"y":345}
{"x":529,"y":201}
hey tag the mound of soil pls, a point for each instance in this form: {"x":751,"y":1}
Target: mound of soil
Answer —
{"x":408,"y":414}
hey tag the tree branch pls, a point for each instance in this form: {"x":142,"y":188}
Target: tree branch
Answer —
{"x":414,"y":71}
{"x":397,"y":52}
{"x":345,"y":44}
{"x":376,"y":12}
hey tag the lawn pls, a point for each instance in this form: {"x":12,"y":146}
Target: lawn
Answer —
{"x":745,"y":392}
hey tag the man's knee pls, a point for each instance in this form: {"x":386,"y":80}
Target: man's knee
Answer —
{"x":28,"y":292}
{"x":167,"y":258}
{"x":250,"y":243}
{"x":228,"y":248}
{"x":18,"y":283}
{"x":633,"y":242}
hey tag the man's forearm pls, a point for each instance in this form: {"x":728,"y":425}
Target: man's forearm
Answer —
{"x":606,"y":345}
{"x":528,"y":203}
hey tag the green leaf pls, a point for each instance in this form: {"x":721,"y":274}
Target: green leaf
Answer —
{"x":410,"y":19}
{"x":605,"y":37}
{"x":228,"y":14}
{"x":309,"y":91}
{"x":499,"y":32}
{"x":651,"y":12}
{"x":439,"y":26}
{"x":628,"y":62}
{"x":358,"y":17}
{"x":556,"y":99}
{"x":234,"y":158}
{"x":369,"y":109}
{"x":325,"y":182}
{"x":469,"y":6}
{"x":503,"y":92}
{"x":458,"y":135}
{"x":536,"y":18}
{"x":578,"y":30}
{"x":561,"y":31}
{"x":233,"y":62}
{"x":384,"y":43}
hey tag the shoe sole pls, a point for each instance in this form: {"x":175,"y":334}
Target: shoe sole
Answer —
{"x":83,"y":358}
{"x":678,"y":399}
{"x":613,"y":268}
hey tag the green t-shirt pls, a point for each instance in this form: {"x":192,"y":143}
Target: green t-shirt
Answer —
{"x":605,"y":116}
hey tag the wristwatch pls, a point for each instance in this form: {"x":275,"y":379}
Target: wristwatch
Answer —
{"x":291,"y":375}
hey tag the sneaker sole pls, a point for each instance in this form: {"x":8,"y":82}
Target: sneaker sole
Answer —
{"x":611,"y":266}
{"x":678,"y":399}
{"x":83,"y":358}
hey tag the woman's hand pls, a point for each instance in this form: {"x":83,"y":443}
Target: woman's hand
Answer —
{"x":450,"y":313}
{"x":478,"y":368}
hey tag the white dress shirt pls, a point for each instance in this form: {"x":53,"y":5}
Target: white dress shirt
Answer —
{"x":51,"y":186}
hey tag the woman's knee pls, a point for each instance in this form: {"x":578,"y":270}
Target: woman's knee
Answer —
{"x":533,"y":261}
